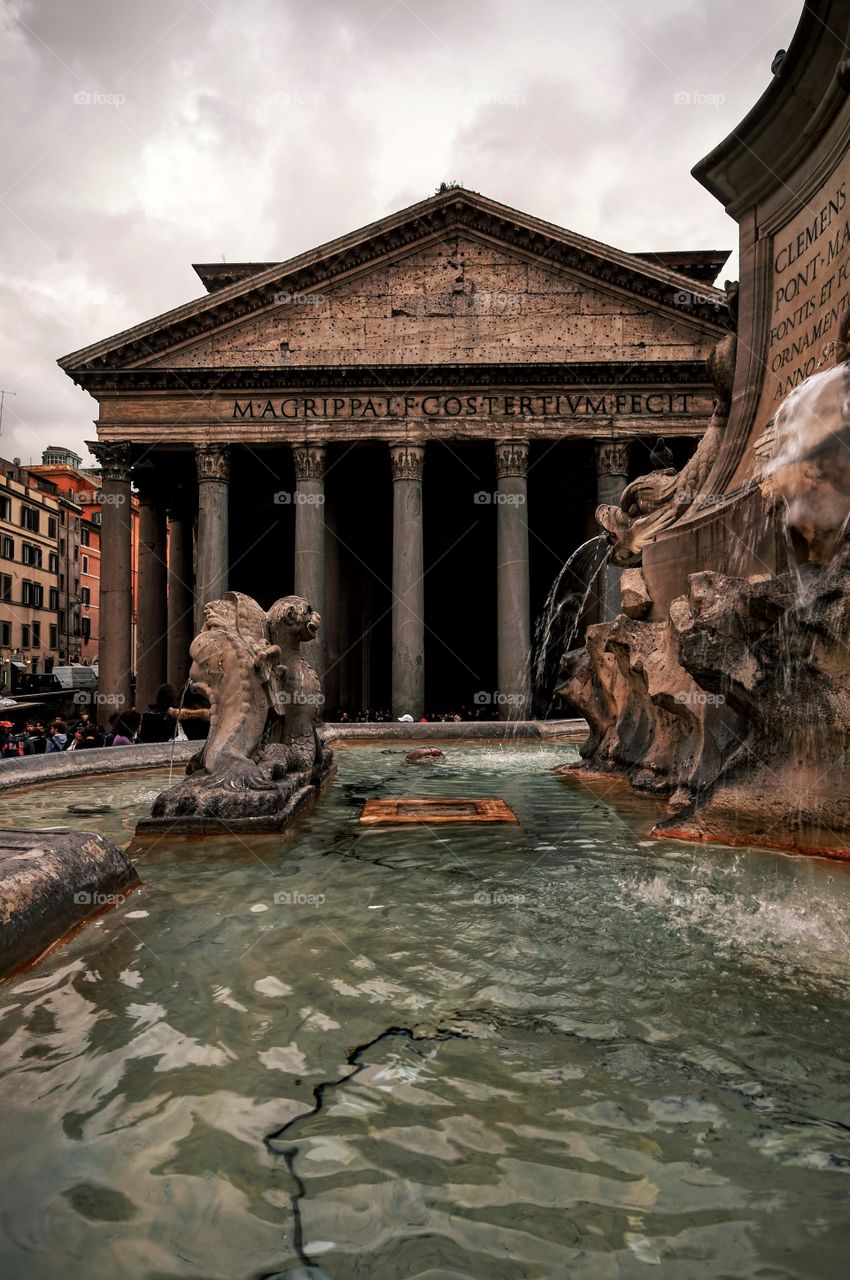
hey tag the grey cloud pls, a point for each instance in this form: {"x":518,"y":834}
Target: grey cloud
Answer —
{"x":261,"y":129}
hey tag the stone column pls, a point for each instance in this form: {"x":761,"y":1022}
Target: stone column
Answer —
{"x":309,"y":462}
{"x":212,"y":554}
{"x":408,"y":670}
{"x":512,"y":590}
{"x":116,"y":586}
{"x":152,"y":613}
{"x":612,"y":475}
{"x":181,"y":595}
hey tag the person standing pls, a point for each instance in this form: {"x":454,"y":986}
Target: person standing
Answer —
{"x":10,"y":745}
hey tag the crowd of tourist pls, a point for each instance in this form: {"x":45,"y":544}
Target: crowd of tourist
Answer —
{"x":158,"y":724}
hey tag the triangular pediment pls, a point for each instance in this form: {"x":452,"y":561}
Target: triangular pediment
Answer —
{"x":457,"y":277}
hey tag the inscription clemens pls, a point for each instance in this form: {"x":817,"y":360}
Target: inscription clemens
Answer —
{"x":653,"y":404}
{"x":811,"y":289}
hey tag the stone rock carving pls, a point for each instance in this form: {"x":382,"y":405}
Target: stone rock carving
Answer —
{"x":736,"y":704}
{"x":264,"y":753}
{"x":808,"y":468}
{"x":656,"y":501}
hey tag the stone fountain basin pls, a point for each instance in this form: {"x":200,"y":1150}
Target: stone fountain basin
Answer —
{"x":50,"y":882}
{"x":53,"y":880}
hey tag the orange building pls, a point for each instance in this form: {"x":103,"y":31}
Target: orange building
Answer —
{"x":61,"y":473}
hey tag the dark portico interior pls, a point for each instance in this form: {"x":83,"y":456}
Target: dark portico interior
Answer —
{"x":459,"y":517}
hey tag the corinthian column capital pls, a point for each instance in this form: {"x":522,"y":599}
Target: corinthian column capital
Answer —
{"x":115,"y":458}
{"x":612,"y":457}
{"x":309,"y":461}
{"x":408,"y":461}
{"x":213,"y":461}
{"x":511,"y":458}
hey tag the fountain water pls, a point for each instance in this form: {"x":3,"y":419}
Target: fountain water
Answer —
{"x":562,"y":613}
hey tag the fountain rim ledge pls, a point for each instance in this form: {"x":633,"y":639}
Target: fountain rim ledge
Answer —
{"x":26,"y":771}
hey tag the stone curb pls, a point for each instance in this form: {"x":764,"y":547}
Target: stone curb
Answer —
{"x":65,"y":766}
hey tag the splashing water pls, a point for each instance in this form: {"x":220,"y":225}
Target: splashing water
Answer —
{"x":562,"y":613}
{"x":183,"y":693}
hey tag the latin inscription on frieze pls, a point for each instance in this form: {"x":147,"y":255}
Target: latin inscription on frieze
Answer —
{"x":559,"y":405}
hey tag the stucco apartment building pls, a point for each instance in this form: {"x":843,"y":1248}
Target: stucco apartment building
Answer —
{"x":79,"y":493}
{"x":79,"y":550}
{"x":29,"y":567}
{"x":50,"y":526}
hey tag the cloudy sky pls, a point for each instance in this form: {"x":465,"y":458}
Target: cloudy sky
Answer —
{"x":143,"y":135}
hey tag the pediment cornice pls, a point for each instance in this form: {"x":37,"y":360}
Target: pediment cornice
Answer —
{"x":599,"y":373}
{"x":392,"y":238}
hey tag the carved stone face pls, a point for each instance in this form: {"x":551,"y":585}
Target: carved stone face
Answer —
{"x":220,"y":613}
{"x":296,"y":616}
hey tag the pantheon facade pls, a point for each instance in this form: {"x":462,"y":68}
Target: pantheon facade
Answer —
{"x":411,"y":425}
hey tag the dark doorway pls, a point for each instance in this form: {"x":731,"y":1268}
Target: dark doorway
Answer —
{"x":358,"y":579}
{"x":262,"y":523}
{"x":561,"y":506}
{"x":459,"y":516}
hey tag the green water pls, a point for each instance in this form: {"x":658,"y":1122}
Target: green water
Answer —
{"x":587,"y":1054}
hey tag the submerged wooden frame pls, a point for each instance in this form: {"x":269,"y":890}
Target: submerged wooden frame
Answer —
{"x":443,"y":809}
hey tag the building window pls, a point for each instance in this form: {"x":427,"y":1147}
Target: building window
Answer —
{"x":86,"y":629}
{"x":32,"y":593}
{"x":6,"y":635}
{"x":5,"y":508}
{"x":7,"y":547}
{"x":54,"y":636}
{"x":85,"y":564}
{"x":36,"y":635}
{"x":85,"y":537}
{"x":5,"y":586}
{"x":25,"y":635}
{"x":97,"y":517}
{"x":29,"y":519}
{"x":85,"y":596}
{"x":52,"y":526}
{"x":31,"y":554}
{"x":61,"y":546}
{"x":53,"y":561}
{"x":54,"y":598}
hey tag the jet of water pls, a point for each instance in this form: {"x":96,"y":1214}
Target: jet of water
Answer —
{"x":562,"y":613}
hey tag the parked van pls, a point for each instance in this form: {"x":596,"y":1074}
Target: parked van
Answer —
{"x":76,"y":676}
